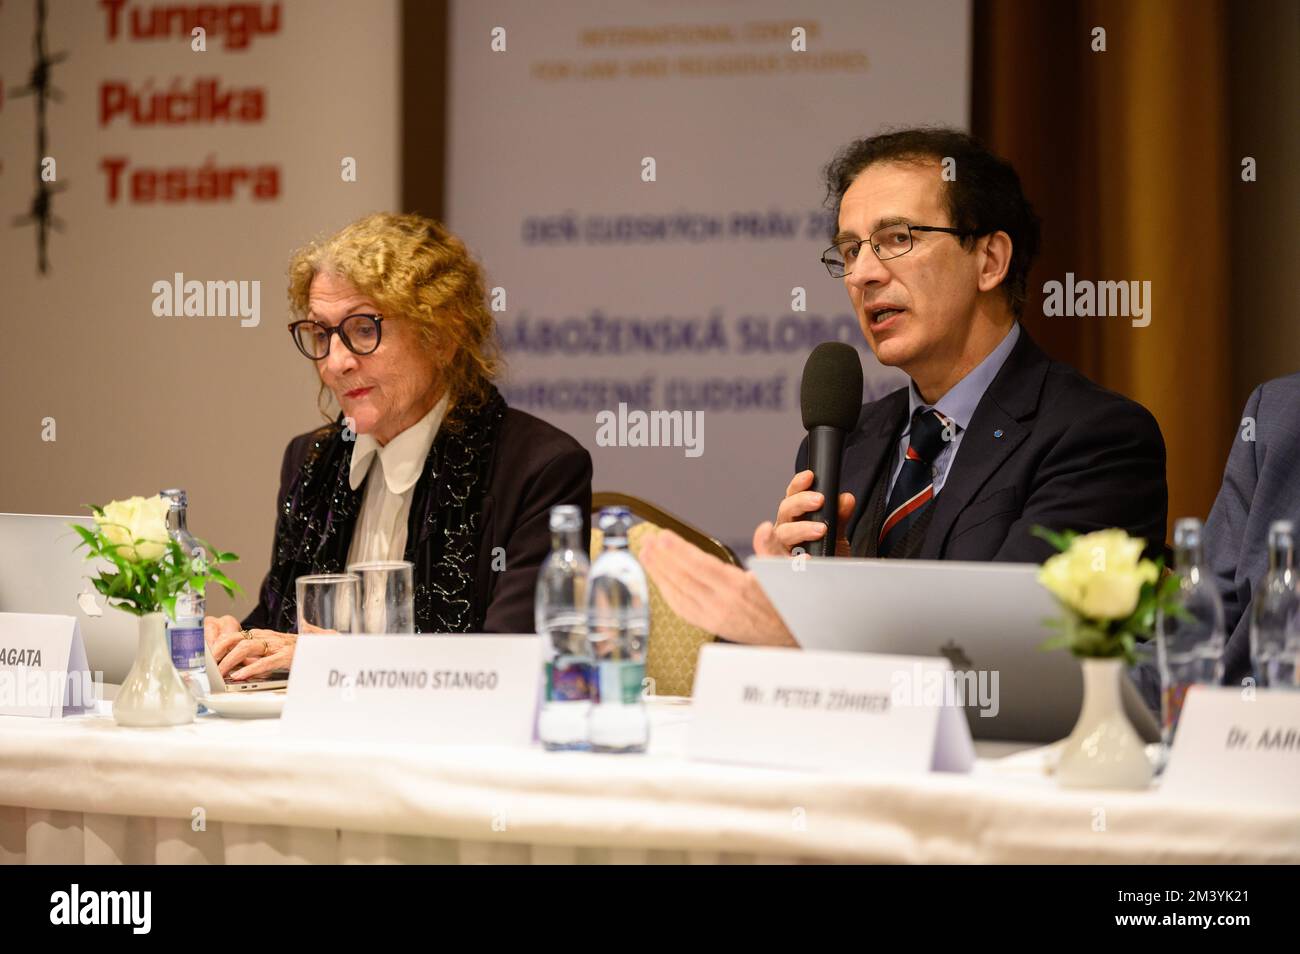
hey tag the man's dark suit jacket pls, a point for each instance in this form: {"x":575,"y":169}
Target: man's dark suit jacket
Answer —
{"x":1045,"y":446}
{"x":534,"y":467}
{"x":1260,"y":485}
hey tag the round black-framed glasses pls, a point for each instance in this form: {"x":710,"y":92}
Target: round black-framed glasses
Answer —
{"x":360,"y":334}
{"x":889,"y":241}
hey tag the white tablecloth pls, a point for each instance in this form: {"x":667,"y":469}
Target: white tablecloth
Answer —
{"x":85,"y":790}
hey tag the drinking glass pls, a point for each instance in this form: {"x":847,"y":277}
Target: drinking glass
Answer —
{"x":387,"y":596}
{"x":328,"y":603}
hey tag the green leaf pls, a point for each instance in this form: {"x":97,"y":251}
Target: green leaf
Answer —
{"x":225,"y":581}
{"x":146,"y":586}
{"x":1168,"y":588}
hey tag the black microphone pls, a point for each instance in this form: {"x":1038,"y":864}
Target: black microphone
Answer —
{"x":830,"y":397}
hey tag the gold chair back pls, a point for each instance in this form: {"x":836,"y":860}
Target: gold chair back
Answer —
{"x":674,"y":646}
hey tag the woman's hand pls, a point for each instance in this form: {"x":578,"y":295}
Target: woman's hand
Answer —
{"x":262,"y":652}
{"x":221,"y":633}
{"x":255,"y":653}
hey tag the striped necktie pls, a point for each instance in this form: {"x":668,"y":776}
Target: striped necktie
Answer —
{"x":914,"y":486}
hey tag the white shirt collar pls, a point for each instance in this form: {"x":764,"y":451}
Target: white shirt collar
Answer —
{"x":401,"y":459}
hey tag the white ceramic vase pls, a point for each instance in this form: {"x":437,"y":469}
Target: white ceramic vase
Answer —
{"x":1104,"y":750}
{"x":153,"y":693}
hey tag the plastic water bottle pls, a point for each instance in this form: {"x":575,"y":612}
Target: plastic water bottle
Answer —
{"x":1274,"y":626}
{"x":1189,"y":643}
{"x":618,"y":626}
{"x":185,"y":625}
{"x":560,"y":611}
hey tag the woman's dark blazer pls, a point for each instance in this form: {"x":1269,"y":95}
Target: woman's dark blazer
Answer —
{"x":531,"y":466}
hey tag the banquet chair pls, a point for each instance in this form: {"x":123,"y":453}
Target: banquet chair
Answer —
{"x":674,"y":645}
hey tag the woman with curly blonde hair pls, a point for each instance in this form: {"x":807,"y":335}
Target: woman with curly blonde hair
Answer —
{"x":424,"y":462}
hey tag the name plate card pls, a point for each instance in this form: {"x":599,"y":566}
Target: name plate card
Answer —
{"x":442,"y":690}
{"x":1233,"y":746}
{"x":43,"y":669}
{"x":791,"y":708}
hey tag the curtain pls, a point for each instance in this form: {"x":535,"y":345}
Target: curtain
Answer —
{"x":1124,"y":153}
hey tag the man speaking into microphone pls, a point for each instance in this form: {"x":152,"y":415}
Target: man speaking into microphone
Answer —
{"x":990,"y":438}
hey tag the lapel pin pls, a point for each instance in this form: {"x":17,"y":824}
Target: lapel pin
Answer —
{"x":998,"y":432}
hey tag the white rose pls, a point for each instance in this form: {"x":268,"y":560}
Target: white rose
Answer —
{"x":1100,"y":576}
{"x":1058,"y":576}
{"x":138,"y":518}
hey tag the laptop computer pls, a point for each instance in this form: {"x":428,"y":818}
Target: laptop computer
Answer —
{"x":279,"y":679}
{"x":43,"y":570}
{"x":987,"y":619}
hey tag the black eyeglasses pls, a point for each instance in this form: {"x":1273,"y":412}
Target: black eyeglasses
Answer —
{"x":359,"y":333}
{"x":888,"y":242}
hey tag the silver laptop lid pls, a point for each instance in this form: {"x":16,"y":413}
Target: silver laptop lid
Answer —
{"x":43,"y":570}
{"x":986,"y":618}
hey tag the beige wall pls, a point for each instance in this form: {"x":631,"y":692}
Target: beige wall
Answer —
{"x":142,"y":402}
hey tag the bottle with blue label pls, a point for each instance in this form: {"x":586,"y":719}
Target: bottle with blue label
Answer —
{"x":185,"y":625}
{"x":618,"y":628}
{"x":560,"y":612}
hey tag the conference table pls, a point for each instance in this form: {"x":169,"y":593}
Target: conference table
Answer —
{"x":84,"y":790}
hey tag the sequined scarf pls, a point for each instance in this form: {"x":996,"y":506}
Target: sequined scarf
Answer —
{"x":317,"y":517}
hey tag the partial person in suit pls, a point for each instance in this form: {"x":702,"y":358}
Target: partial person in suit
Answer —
{"x":989,"y":439}
{"x":424,"y":462}
{"x":1260,"y":485}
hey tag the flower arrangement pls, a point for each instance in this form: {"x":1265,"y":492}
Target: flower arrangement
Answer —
{"x":1109,"y":592}
{"x":150,"y":567}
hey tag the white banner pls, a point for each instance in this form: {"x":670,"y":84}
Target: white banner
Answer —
{"x":643,"y":183}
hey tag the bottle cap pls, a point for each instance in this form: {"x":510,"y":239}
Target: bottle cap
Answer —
{"x":565,"y":517}
{"x":175,"y":496}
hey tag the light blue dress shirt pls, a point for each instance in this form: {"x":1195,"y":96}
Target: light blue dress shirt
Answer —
{"x":958,"y":405}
